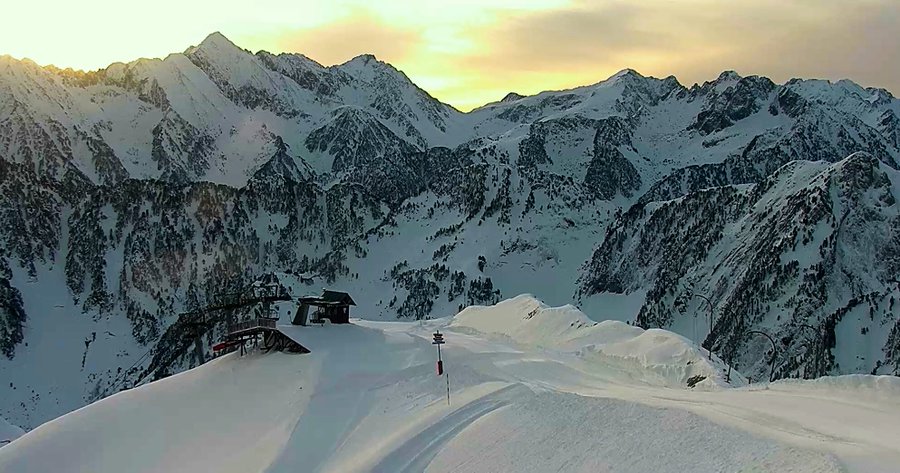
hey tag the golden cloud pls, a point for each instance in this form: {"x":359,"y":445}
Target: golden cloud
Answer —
{"x":469,"y":52}
{"x":338,"y":42}
{"x":694,"y":40}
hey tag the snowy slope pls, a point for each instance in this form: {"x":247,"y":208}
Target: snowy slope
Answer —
{"x":664,"y":358}
{"x":9,"y":432}
{"x":367,"y":399}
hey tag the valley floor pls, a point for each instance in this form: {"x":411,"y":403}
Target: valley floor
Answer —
{"x":367,"y":399}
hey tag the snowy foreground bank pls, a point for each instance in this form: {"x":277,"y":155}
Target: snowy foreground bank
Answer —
{"x":533,"y":388}
{"x":8,"y":432}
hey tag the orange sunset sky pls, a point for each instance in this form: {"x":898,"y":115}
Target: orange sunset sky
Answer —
{"x":471,"y":52}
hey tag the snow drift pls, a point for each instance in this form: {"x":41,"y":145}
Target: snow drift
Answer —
{"x":653,"y":356}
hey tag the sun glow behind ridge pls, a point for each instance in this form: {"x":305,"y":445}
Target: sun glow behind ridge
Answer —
{"x":470,"y":52}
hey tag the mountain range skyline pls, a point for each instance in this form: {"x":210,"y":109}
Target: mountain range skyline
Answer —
{"x":464,"y":110}
{"x":471,"y":53}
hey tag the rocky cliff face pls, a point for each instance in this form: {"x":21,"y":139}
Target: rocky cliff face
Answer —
{"x":808,"y":255}
{"x":136,"y":193}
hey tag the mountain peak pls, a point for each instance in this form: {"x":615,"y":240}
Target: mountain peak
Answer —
{"x":364,"y":59}
{"x":216,"y":38}
{"x":627,"y":72}
{"x":726,"y":79}
{"x":215,"y":41}
{"x":366,"y":62}
{"x":367,"y":66}
{"x":728,"y":76}
{"x":511,"y":97}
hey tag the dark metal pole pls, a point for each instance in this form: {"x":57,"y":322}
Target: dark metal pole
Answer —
{"x":438,"y":340}
{"x":710,"y":306}
{"x":774,"y":350}
{"x":896,"y":349}
{"x":818,"y":344}
{"x":446,"y":376}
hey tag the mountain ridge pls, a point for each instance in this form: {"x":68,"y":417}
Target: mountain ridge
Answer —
{"x":218,"y":37}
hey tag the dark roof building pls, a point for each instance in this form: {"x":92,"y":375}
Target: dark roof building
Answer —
{"x":331,"y":305}
{"x":337,"y":297}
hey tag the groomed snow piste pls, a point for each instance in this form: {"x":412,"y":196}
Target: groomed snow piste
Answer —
{"x":533,"y":388}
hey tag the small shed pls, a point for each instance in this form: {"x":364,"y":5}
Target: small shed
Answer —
{"x":331,"y":305}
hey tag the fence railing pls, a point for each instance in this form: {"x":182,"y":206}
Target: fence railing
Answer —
{"x":252,"y":324}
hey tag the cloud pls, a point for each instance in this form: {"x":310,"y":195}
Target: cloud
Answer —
{"x":567,"y":38}
{"x":861,"y":43}
{"x":692,"y":39}
{"x":338,"y":42}
{"x":468,"y":52}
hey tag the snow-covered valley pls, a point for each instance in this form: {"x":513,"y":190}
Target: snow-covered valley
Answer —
{"x":533,"y":388}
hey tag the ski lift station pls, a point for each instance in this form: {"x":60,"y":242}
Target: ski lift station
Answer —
{"x":331,"y":305}
{"x":274,"y":308}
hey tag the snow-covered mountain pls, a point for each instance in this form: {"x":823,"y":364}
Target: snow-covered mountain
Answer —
{"x":134,"y":193}
{"x":810,"y":254}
